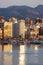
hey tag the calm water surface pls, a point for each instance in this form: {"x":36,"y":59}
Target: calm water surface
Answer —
{"x":21,"y":54}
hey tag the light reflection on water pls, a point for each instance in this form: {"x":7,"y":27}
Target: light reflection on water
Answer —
{"x":21,"y":55}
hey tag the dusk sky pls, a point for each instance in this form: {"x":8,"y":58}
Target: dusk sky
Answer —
{"x":31,"y":3}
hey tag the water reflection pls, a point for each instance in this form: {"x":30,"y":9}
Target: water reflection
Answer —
{"x":7,"y":59}
{"x":36,"y":47}
{"x":0,"y":48}
{"x":8,"y":48}
{"x":34,"y":56}
{"x":22,"y":55}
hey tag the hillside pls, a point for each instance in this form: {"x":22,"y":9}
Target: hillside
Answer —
{"x":22,"y":12}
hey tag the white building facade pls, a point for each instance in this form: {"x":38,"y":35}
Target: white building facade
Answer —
{"x":22,"y":28}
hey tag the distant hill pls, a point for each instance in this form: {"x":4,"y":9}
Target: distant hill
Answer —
{"x":22,"y":12}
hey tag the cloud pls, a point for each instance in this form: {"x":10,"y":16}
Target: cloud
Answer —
{"x":32,"y":3}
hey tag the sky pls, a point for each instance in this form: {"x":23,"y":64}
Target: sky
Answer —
{"x":31,"y":3}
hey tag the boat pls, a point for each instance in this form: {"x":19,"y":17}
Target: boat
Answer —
{"x":5,"y":42}
{"x":35,"y":42}
{"x":12,"y":42}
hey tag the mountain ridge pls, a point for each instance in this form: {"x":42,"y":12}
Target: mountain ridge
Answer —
{"x":22,"y":12}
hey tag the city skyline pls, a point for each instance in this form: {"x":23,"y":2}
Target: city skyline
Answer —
{"x":31,"y":3}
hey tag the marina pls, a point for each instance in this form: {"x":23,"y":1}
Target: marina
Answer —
{"x":18,"y":42}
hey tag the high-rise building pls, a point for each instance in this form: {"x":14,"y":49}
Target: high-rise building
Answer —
{"x":22,"y":28}
{"x":19,"y":29}
{"x":15,"y":30}
{"x":7,"y":29}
